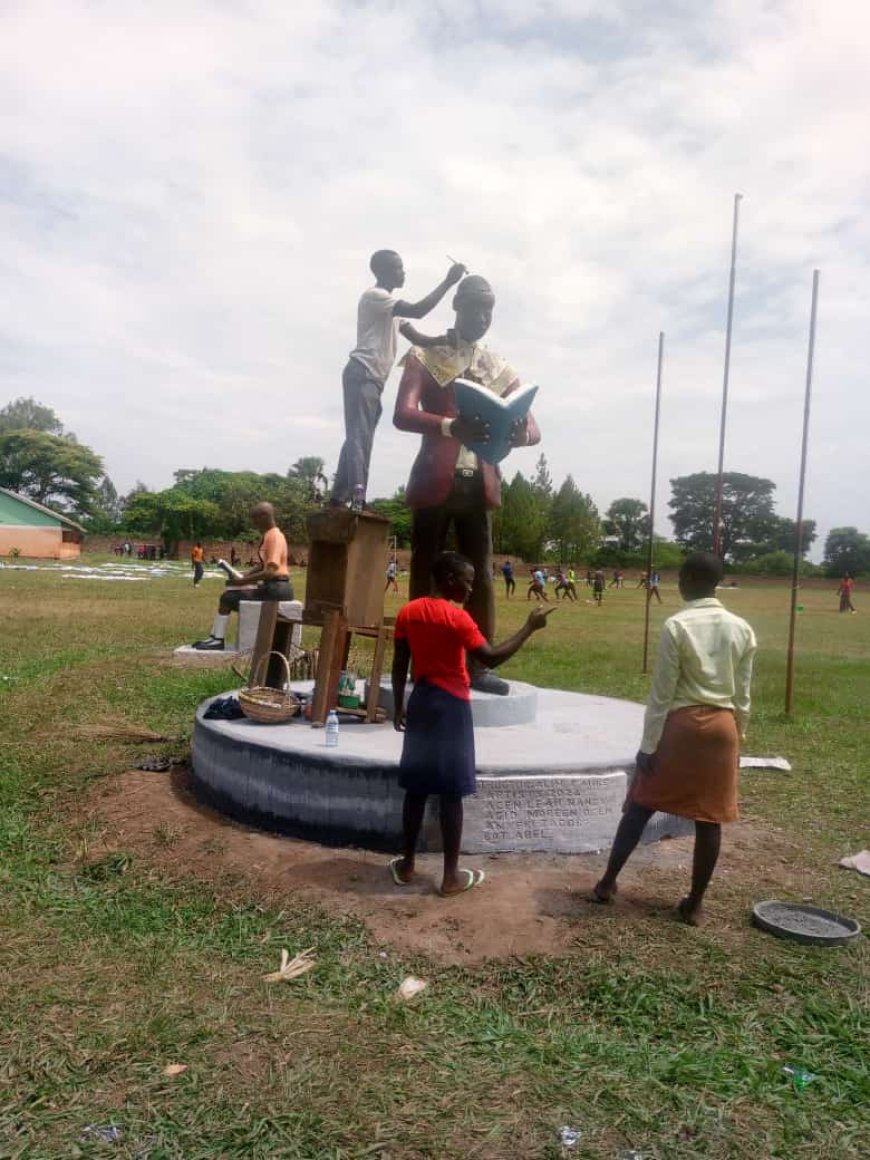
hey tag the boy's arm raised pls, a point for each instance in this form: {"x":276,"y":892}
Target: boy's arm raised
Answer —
{"x":420,"y":309}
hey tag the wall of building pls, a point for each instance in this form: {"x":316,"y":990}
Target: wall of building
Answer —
{"x":43,"y":543}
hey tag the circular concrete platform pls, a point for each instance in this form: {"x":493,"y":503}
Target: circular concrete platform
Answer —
{"x":554,"y":784}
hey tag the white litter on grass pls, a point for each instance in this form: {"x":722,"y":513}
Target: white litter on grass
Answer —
{"x":859,"y":862}
{"x":765,"y":763}
{"x":291,"y":968}
{"x":569,"y":1137}
{"x":410,"y":987}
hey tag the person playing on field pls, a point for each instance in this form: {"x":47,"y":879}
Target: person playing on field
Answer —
{"x":197,"y":555}
{"x":598,"y":583}
{"x":696,"y":717}
{"x":510,"y":585}
{"x":438,"y":748}
{"x":538,"y":586}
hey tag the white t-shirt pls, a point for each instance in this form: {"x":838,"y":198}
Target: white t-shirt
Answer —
{"x":376,"y":333}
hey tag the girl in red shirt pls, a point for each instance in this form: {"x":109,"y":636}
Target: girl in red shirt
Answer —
{"x":438,"y":750}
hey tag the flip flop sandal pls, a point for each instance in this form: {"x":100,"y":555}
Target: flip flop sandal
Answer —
{"x":394,"y":873}
{"x":475,"y":877}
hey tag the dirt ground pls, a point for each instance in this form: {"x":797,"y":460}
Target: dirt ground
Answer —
{"x":529,"y":903}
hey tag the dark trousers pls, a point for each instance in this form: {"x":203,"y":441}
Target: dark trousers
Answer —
{"x":362,"y":410}
{"x":465,"y":510}
{"x":231,"y":598}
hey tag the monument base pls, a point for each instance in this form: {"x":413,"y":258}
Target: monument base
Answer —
{"x":557,"y":784}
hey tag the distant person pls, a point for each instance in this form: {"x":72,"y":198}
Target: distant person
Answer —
{"x":510,"y":584}
{"x":614,"y":583}
{"x":128,"y":548}
{"x":598,"y":583}
{"x":538,"y":586}
{"x":590,"y":576}
{"x":564,"y":586}
{"x":370,"y":363}
{"x":392,"y":572}
{"x":653,"y":587}
{"x":197,"y":556}
{"x":268,"y":580}
{"x":438,"y":751}
{"x":642,"y":580}
{"x":234,"y":556}
{"x":847,"y":585}
{"x":696,"y":717}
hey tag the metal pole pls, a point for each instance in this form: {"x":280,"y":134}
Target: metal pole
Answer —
{"x":717,"y":516}
{"x":652,"y":503}
{"x":799,"y":531}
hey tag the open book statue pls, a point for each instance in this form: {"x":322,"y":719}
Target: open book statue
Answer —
{"x":500,"y":414}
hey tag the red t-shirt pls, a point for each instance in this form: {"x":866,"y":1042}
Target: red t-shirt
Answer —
{"x":438,"y":633}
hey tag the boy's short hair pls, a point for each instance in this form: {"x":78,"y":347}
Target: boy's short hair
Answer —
{"x":448,"y":564}
{"x":702,"y":569}
{"x":378,"y":258}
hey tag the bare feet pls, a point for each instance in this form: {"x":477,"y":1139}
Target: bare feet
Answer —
{"x":602,"y":893}
{"x":689,"y":912}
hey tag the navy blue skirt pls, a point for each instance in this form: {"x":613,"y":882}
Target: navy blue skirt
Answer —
{"x":438,"y":752}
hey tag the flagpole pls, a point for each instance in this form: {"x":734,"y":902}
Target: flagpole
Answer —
{"x":717,"y":517}
{"x":799,"y":530}
{"x":652,"y":503}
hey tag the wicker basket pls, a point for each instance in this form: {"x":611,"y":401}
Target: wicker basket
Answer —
{"x":269,"y":706}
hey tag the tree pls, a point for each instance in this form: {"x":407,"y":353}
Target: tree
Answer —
{"x":627,"y":521}
{"x":28,"y":415}
{"x":53,"y":470}
{"x":520,"y":524}
{"x":108,"y":509}
{"x":310,"y":470}
{"x":574,"y":523}
{"x":847,"y":550}
{"x":398,"y":513}
{"x":748,"y":517}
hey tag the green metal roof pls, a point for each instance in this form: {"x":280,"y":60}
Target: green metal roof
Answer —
{"x":22,"y":512}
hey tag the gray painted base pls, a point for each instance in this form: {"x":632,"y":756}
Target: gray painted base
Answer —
{"x":555,"y":785}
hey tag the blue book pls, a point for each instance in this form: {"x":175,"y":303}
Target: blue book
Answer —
{"x":476,"y":402}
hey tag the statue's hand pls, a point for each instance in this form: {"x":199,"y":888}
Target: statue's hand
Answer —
{"x":456,"y":273}
{"x":519,"y":433}
{"x":467,"y":431}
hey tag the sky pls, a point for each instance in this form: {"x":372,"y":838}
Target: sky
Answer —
{"x":190,"y":192}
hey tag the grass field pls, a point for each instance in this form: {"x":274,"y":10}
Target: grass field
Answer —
{"x":645,"y":1036}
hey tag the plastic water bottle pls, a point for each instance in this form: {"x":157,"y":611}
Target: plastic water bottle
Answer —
{"x":332,"y":728}
{"x":359,"y":497}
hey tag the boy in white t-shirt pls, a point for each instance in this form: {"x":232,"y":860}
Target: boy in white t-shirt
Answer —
{"x":370,"y":363}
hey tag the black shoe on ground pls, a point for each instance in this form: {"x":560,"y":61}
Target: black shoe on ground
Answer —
{"x":210,"y":644}
{"x":485,"y":681}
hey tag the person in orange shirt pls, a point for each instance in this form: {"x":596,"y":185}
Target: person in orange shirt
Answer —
{"x":269,"y":579}
{"x":196,"y":558}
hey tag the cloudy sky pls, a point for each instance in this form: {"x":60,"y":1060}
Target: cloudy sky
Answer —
{"x":190,"y":193}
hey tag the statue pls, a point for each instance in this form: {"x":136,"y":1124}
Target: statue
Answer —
{"x":370,"y":363}
{"x":448,"y":483}
{"x":269,"y":579}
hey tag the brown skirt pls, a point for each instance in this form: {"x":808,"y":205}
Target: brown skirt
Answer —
{"x":696,"y":767}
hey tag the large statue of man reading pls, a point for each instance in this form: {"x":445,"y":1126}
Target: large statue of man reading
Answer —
{"x":449,"y":484}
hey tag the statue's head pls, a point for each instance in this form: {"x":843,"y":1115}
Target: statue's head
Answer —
{"x":386,"y":265}
{"x":473,"y":302}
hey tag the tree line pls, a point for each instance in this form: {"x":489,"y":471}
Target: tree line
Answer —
{"x":537,"y":521}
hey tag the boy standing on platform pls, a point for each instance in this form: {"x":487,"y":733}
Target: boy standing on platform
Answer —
{"x":696,"y":717}
{"x":438,"y":750}
{"x":370,"y":363}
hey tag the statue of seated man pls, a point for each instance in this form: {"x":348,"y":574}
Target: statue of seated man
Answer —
{"x":449,"y":484}
{"x":268,"y":579}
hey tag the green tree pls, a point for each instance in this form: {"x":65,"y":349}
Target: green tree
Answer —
{"x":847,"y":550}
{"x":627,"y":521}
{"x":53,"y":470}
{"x":25,"y":414}
{"x":398,"y":513}
{"x":574,"y":525}
{"x":748,"y":517}
{"x":108,"y":509}
{"x":520,"y":524}
{"x":310,"y":469}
